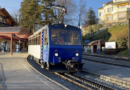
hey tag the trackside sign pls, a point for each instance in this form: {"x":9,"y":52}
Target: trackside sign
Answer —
{"x":110,"y":45}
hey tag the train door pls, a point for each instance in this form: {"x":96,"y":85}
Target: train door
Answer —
{"x":46,"y":46}
{"x":95,"y":49}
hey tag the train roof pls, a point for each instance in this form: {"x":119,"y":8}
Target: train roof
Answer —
{"x":63,"y":26}
{"x":59,"y":26}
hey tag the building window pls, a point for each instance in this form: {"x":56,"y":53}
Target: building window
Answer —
{"x":100,"y":13}
{"x":109,"y":18}
{"x":124,"y":6}
{"x":4,"y":19}
{"x":114,"y":17}
{"x":1,"y":18}
{"x":122,"y":16}
{"x":109,"y":10}
{"x":129,"y":13}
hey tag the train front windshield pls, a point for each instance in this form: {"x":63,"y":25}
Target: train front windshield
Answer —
{"x":65,"y":37}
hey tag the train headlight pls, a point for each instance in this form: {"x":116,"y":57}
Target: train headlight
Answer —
{"x":56,"y":54}
{"x":77,"y":54}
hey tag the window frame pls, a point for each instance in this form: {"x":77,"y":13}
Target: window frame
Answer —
{"x":64,"y":44}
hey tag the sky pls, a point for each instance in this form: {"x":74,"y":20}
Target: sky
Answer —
{"x":14,"y":5}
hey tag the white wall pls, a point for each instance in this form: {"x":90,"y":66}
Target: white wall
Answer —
{"x":34,"y":50}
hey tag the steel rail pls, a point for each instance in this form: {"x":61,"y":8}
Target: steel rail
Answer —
{"x":70,"y":80}
{"x":121,"y":59}
{"x":89,"y":82}
{"x":92,"y":60}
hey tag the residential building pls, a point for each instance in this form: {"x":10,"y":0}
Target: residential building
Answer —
{"x":6,"y":19}
{"x":114,"y":12}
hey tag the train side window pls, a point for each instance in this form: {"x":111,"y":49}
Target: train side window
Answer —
{"x":45,"y":37}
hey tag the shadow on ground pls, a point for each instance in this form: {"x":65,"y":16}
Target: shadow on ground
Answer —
{"x":2,"y":78}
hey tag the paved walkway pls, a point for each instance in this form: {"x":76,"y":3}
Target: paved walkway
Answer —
{"x":15,"y":74}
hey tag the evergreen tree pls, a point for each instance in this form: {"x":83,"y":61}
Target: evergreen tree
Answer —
{"x":91,"y":17}
{"x":30,"y":14}
{"x":48,"y":13}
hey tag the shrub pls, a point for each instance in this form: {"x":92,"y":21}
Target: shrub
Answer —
{"x":95,"y":28}
{"x":100,"y":25}
{"x":121,"y":43}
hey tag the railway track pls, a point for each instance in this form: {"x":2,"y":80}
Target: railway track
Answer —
{"x":82,"y":82}
{"x":89,"y":82}
{"x":70,"y":80}
{"x":108,"y":81}
{"x":122,"y":59}
{"x":60,"y":75}
{"x":105,"y":62}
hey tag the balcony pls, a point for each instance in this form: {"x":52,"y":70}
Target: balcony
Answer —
{"x":107,"y":13}
{"x":121,"y":10}
{"x":120,"y":1}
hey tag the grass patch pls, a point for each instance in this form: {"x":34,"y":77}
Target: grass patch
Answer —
{"x":123,"y":53}
{"x":118,"y":32}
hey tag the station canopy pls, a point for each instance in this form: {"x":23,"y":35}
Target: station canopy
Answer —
{"x":19,"y":33}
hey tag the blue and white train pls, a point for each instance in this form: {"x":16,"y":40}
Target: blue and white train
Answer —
{"x":57,"y":47}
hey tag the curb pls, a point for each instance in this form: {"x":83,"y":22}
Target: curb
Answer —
{"x":46,"y":76}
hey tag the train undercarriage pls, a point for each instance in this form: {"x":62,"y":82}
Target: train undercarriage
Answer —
{"x":64,"y":66}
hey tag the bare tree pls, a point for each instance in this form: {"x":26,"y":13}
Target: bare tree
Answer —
{"x":81,"y":11}
{"x":70,"y":5}
{"x":16,"y":16}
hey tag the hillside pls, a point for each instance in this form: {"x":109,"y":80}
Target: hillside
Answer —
{"x":114,"y":33}
{"x":92,"y":28}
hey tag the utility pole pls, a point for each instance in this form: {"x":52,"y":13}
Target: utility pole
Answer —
{"x":129,"y":38}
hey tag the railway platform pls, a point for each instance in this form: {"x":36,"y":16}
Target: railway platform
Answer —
{"x":15,"y":74}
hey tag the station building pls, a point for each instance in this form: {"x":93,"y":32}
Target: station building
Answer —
{"x":93,"y":46}
{"x":11,"y":34}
